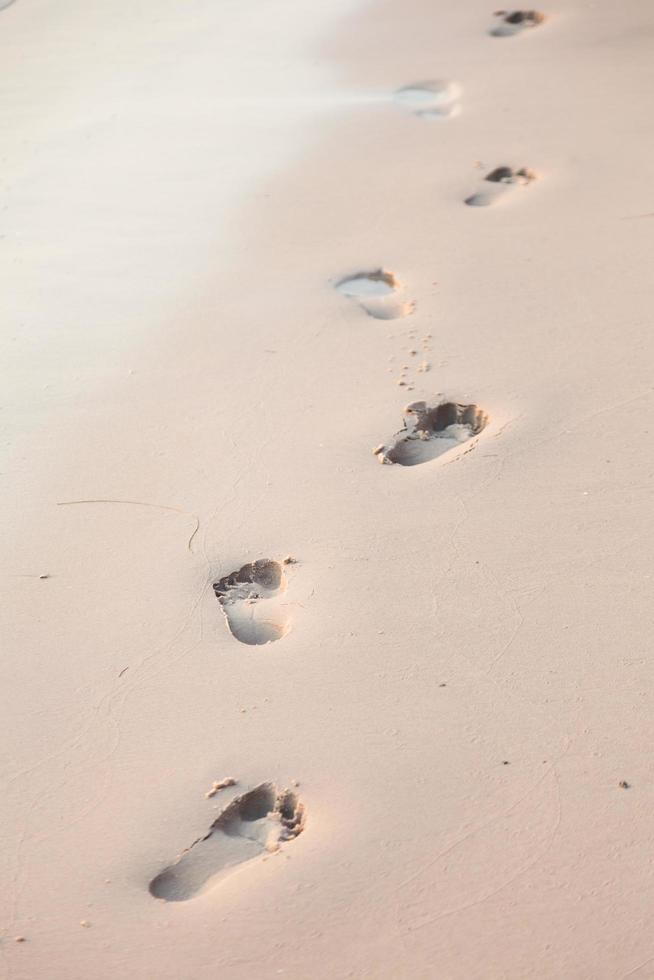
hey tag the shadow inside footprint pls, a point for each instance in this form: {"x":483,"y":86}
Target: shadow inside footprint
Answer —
{"x":378,"y":292}
{"x":514,"y":21}
{"x":250,"y":602}
{"x":431,"y":100}
{"x":497,"y":183}
{"x":430,"y":432}
{"x":256,"y":822}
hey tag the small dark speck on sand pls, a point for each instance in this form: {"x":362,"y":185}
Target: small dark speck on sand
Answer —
{"x":623,"y":784}
{"x":505,"y":762}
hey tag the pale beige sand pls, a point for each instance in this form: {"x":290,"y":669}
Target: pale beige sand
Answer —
{"x":467,"y":675}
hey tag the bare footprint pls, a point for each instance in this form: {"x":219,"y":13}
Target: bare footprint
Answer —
{"x":512,"y":22}
{"x":250,"y":602}
{"x":430,"y":432}
{"x":431,"y":100}
{"x":497,"y":183}
{"x":258,"y":821}
{"x":378,"y":292}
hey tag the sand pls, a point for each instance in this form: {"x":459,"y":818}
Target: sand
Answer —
{"x":440,"y":767}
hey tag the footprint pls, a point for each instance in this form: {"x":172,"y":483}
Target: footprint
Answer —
{"x":431,"y":100}
{"x":497,"y":183}
{"x":514,"y":21}
{"x":258,"y":821}
{"x":378,"y":292}
{"x":430,"y":432}
{"x":250,"y":602}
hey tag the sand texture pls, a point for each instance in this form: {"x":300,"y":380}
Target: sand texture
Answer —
{"x":327,"y":610}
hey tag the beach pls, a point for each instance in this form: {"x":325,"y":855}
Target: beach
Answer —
{"x":240,"y":274}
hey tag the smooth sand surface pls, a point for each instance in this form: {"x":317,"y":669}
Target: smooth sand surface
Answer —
{"x":463,"y":676}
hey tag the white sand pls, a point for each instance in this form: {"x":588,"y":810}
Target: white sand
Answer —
{"x":467,"y":675}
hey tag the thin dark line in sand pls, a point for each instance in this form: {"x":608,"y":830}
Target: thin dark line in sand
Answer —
{"x":137,"y":503}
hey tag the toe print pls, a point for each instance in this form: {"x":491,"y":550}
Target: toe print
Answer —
{"x":255,"y":823}
{"x":497,"y":183}
{"x":430,"y":432}
{"x":431,"y":100}
{"x":251,"y":602}
{"x":510,"y":22}
{"x":378,"y":292}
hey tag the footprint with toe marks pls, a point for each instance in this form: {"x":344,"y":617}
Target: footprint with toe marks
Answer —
{"x":250,"y":600}
{"x":512,"y":22}
{"x":257,"y":822}
{"x":497,"y":183}
{"x":378,"y":292}
{"x":430,"y":432}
